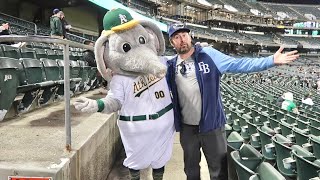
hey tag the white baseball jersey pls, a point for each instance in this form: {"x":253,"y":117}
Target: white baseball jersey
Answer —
{"x":147,"y":142}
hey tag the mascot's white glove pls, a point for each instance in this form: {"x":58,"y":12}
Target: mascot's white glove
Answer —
{"x":86,"y":105}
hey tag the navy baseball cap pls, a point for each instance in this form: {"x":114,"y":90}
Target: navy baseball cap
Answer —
{"x":173,"y":28}
{"x":55,"y":11}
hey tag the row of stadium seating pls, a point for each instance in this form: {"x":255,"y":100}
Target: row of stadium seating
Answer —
{"x":267,"y":128}
{"x":259,"y":132}
{"x":37,"y":53}
{"x":34,"y":76}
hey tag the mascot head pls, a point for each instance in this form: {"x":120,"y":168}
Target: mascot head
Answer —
{"x":129,"y":47}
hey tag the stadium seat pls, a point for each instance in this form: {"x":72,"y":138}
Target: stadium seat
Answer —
{"x":11,"y":52}
{"x":286,"y":129}
{"x":28,"y":53}
{"x":74,"y":75}
{"x":314,"y":130}
{"x":84,"y":75}
{"x":33,"y":83}
{"x":266,"y":171}
{"x":246,"y":160}
{"x":301,"y":136}
{"x":266,"y":144}
{"x":315,"y":141}
{"x":9,"y":76}
{"x":51,"y":54}
{"x":306,"y":168}
{"x":41,"y":53}
{"x":235,"y":140}
{"x":1,"y":53}
{"x":283,"y":150}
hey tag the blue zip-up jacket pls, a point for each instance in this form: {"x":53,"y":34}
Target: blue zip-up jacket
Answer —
{"x":210,"y":64}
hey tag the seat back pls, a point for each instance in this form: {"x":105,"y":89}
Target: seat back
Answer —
{"x":9,"y":70}
{"x":267,"y":172}
{"x":28,"y":53}
{"x":250,"y":157}
{"x":41,"y":53}
{"x":265,"y":138}
{"x":315,"y":146}
{"x":306,"y":169}
{"x":51,"y":54}
{"x":243,"y":172}
{"x":282,"y":147}
{"x":51,"y":70}
{"x":11,"y":52}
{"x":33,"y":70}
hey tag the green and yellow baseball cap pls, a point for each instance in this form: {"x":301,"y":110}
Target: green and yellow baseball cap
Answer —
{"x":117,"y":20}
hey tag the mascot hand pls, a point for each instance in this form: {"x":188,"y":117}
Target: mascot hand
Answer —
{"x":86,"y":105}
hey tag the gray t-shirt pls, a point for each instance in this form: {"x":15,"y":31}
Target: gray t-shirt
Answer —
{"x":189,"y":92}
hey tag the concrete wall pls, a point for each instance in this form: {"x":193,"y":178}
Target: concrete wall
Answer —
{"x":91,"y":160}
{"x":94,"y":160}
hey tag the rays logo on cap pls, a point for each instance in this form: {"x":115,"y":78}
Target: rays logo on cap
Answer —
{"x":123,"y":18}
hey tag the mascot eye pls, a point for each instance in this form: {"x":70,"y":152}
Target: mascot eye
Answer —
{"x":126,"y":47}
{"x":142,"y":40}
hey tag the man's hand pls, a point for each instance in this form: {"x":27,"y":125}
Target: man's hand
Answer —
{"x":284,"y":58}
{"x":86,"y":105}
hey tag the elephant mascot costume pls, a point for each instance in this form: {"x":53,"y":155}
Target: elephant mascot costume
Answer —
{"x":138,"y":90}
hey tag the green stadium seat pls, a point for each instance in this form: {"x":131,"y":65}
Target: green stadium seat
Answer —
{"x":267,"y":147}
{"x":51,"y":54}
{"x":302,"y":124}
{"x":235,"y":140}
{"x":286,"y":129}
{"x":273,"y":123}
{"x":315,"y":141}
{"x":301,"y":136}
{"x":283,"y":150}
{"x":28,"y":53}
{"x":38,"y":45}
{"x":314,"y":122}
{"x":41,"y":53}
{"x":1,"y":53}
{"x":11,"y":52}
{"x":314,"y":130}
{"x":306,"y":168}
{"x":246,"y":160}
{"x":59,"y":54}
{"x":9,"y":76}
{"x":35,"y":78}
{"x":84,"y":75}
{"x":74,"y":75}
{"x":267,"y":172}
{"x":228,"y":129}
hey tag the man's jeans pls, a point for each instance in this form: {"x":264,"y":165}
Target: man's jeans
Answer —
{"x":214,"y":147}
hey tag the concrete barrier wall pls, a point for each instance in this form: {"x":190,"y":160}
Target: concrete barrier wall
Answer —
{"x":95,"y":145}
{"x":94,"y":159}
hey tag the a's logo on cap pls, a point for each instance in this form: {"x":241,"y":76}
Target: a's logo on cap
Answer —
{"x":123,"y":18}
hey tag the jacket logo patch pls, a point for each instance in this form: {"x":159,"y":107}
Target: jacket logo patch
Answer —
{"x":204,"y":67}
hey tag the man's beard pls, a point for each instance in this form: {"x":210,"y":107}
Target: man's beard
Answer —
{"x":184,"y":49}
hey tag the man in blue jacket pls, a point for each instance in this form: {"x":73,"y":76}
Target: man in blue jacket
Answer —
{"x":194,"y":78}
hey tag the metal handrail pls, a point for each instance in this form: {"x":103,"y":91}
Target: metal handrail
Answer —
{"x":66,"y":44}
{"x":35,"y":26}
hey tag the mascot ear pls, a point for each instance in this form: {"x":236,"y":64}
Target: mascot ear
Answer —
{"x":155,"y":34}
{"x":101,"y":51}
